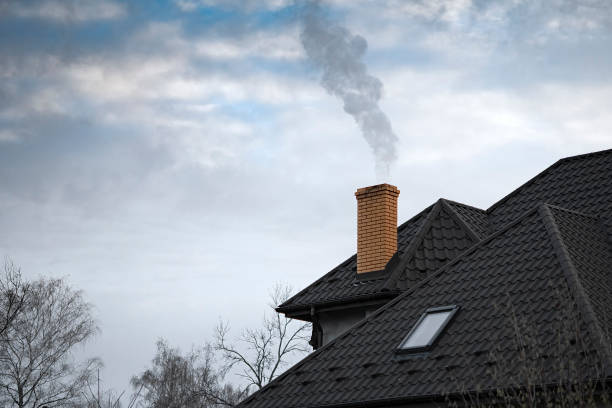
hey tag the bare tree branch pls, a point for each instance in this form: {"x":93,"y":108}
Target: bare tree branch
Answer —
{"x":36,"y":364}
{"x":13,"y":291}
{"x":100,"y":398}
{"x":260,"y":354}
{"x":185,"y":381}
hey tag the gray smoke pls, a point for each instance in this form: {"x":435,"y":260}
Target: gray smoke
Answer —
{"x":338,"y":53}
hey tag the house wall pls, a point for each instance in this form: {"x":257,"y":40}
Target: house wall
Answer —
{"x":334,"y":323}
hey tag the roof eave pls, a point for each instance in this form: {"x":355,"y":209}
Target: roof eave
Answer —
{"x":346,"y":303}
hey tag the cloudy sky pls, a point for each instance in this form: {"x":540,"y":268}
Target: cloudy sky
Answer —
{"x":176,"y":159}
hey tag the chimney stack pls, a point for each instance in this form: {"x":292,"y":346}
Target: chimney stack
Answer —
{"x":376,"y":226}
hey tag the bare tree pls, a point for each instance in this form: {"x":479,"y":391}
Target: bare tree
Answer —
{"x":13,"y":292}
{"x":261,"y":354}
{"x":184,"y":381}
{"x":96,"y":397}
{"x":37,"y":367}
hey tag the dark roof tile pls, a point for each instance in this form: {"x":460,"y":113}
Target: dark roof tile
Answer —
{"x":585,"y":240}
{"x":517,"y":284}
{"x":474,"y":217}
{"x":582,"y":183}
{"x":443,"y":237}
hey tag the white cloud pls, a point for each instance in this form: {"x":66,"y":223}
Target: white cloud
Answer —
{"x":187,"y":5}
{"x":265,"y":45}
{"x":448,"y":11}
{"x":9,"y":136}
{"x":586,"y":121}
{"x":69,"y":10}
{"x":466,"y":28}
{"x":192,"y":5}
{"x":161,"y":63}
{"x":155,"y":78}
{"x":268,"y":44}
{"x":438,"y":119}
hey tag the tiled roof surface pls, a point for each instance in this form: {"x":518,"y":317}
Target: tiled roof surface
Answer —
{"x":474,"y":217}
{"x":582,"y":183}
{"x":589,"y":251}
{"x":341,"y":284}
{"x":443,"y":238}
{"x":515,"y":287}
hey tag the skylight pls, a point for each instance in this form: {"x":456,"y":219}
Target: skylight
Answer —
{"x":427,"y":329}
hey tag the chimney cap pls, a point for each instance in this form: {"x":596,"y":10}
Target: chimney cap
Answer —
{"x":377,"y":188}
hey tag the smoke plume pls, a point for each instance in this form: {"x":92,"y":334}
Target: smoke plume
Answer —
{"x":338,"y":53}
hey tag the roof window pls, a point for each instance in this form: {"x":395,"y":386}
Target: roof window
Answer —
{"x":427,"y":329}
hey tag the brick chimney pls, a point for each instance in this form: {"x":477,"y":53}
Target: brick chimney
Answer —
{"x":376,"y":226}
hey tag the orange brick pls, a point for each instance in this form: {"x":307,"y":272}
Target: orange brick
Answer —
{"x":376,"y":226}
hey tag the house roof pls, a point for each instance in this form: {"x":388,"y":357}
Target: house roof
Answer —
{"x":581,"y":183}
{"x":530,"y":286}
{"x":532,"y":274}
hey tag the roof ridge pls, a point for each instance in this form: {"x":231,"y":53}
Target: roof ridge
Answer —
{"x":414,"y":243}
{"x":458,"y":219}
{"x":392,"y":302}
{"x":574,"y":282}
{"x":583,"y":214}
{"x":522,"y":186}
{"x":590,"y":154}
{"x":453,"y":202}
{"x":531,"y":180}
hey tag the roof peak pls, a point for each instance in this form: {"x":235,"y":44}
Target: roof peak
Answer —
{"x":546,"y":170}
{"x":441,"y":206}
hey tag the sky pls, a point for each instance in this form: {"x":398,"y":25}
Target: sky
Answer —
{"x":176,"y":159}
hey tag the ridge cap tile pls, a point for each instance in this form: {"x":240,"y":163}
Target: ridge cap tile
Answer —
{"x":575,"y":280}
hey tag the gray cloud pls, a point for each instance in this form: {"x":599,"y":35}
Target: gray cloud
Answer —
{"x":244,"y":5}
{"x":72,"y":11}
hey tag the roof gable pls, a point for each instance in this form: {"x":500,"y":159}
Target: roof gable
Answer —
{"x":441,"y":238}
{"x":515,"y":275}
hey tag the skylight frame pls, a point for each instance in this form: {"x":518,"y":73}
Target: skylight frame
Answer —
{"x":424,"y":348}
